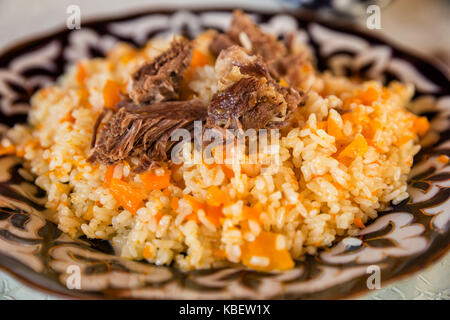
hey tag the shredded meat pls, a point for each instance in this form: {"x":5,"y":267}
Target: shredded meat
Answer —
{"x":255,"y":101}
{"x":280,"y":59}
{"x":143,"y":131}
{"x":159,"y":80}
{"x":251,"y":98}
{"x":262,"y":44}
{"x":220,"y":42}
{"x":252,"y":103}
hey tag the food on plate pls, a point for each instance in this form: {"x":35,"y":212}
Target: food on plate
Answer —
{"x":100,"y":144}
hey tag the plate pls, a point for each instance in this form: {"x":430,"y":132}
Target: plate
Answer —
{"x":403,"y":239}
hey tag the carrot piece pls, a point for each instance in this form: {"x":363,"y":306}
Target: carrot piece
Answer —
{"x":199,"y":59}
{"x":404,"y":139}
{"x":219,"y":253}
{"x":443,"y":159}
{"x":111,"y":94}
{"x":265,"y":245}
{"x":213,"y":214}
{"x":229,"y":173}
{"x":321,"y":125}
{"x":147,"y":252}
{"x":128,"y":197}
{"x":215,"y":197}
{"x":174,"y":203}
{"x":196,"y":205}
{"x":152,"y":181}
{"x":358,"y":147}
{"x":108,"y":176}
{"x":369,"y":96}
{"x":7,"y":150}
{"x":358,"y":222}
{"x":81,"y":74}
{"x":158,"y":217}
{"x":254,"y":212}
{"x":421,"y":125}
{"x":371,"y":128}
{"x":333,"y":128}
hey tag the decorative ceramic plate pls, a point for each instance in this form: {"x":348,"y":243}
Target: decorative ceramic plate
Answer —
{"x":402,"y":240}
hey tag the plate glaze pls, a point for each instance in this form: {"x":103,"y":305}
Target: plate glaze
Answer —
{"x":403,"y":239}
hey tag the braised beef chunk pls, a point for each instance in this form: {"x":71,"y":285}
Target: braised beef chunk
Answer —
{"x":252,"y":103}
{"x":143,"y":131}
{"x":265,"y":45}
{"x":228,"y":107}
{"x":288,"y":67}
{"x":281,"y":60}
{"x":262,"y":44}
{"x":256,"y":101}
{"x":159,"y":80}
{"x":221,"y":41}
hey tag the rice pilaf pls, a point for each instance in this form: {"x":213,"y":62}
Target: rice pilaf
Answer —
{"x":345,"y":155}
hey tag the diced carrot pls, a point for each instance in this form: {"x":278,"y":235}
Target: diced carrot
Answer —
{"x":193,"y":216}
{"x":371,"y":128}
{"x":385,"y":93}
{"x":215,"y":197}
{"x":229,"y":173}
{"x":333,"y":128}
{"x":111,"y":94}
{"x":322,"y":125}
{"x":369,"y":96}
{"x":174,"y":203}
{"x":265,"y":246}
{"x":213,"y":214}
{"x":108,"y":176}
{"x":196,"y":205}
{"x":421,"y":125}
{"x":158,"y":217}
{"x":348,"y":102}
{"x":199,"y":59}
{"x":358,"y":147}
{"x":128,"y":197}
{"x":152,"y":181}
{"x":358,"y":222}
{"x":147,"y":252}
{"x":219,"y":253}
{"x":404,"y":139}
{"x":254,"y":212}
{"x":443,"y":159}
{"x":81,"y":74}
{"x":11,"y":149}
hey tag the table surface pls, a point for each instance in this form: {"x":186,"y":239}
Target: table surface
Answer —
{"x":404,"y":22}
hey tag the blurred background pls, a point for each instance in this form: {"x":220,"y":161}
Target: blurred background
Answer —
{"x":417,"y":25}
